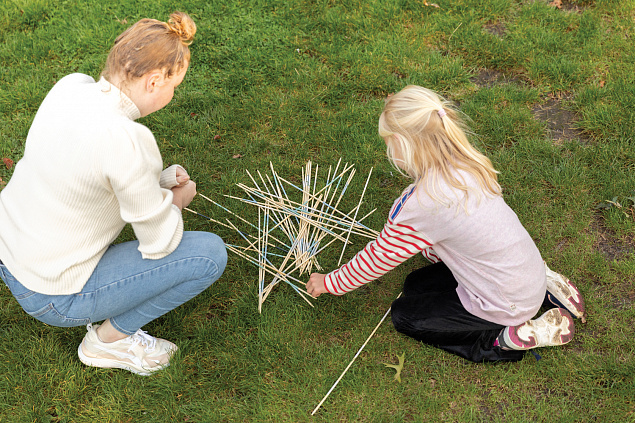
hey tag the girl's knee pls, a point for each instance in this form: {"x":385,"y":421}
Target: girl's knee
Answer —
{"x":398,"y":315}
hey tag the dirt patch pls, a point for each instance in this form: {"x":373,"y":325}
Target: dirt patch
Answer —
{"x":487,"y":78}
{"x":571,"y":6}
{"x":560,"y":121}
{"x":623,"y":301}
{"x":609,"y":244}
{"x":565,"y":5}
{"x":497,"y":29}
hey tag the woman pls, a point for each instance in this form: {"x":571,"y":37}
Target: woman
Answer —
{"x":88,"y":170}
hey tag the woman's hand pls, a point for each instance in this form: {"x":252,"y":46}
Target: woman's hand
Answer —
{"x":182,"y":178}
{"x":183,"y":194}
{"x":315,"y":286}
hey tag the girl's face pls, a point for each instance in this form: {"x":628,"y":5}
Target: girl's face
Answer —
{"x":164,"y":89}
{"x":393,"y":144}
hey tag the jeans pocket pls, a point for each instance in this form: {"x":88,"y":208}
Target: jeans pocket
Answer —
{"x":49,"y":315}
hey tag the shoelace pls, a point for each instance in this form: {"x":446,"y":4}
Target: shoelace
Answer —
{"x":142,"y":337}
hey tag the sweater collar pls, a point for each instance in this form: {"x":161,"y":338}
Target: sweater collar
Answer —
{"x":127,"y":106}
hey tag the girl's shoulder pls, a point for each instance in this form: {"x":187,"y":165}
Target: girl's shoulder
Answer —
{"x":400,"y":203}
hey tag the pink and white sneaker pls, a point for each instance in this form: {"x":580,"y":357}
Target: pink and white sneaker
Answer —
{"x":561,"y":292}
{"x":553,"y":328}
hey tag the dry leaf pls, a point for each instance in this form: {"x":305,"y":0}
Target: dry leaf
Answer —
{"x":7,"y":162}
{"x":397,"y":367}
{"x":602,"y":84}
{"x":216,"y":137}
{"x":237,"y":156}
{"x":556,"y":3}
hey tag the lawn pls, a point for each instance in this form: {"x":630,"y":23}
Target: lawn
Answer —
{"x":550,"y":90}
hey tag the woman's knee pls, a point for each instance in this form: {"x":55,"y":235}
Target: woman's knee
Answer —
{"x":213,"y":248}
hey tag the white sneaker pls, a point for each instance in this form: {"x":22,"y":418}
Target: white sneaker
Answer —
{"x":553,"y":328}
{"x":139,"y":353}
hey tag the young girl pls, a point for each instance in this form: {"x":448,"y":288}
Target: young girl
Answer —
{"x":487,"y":280}
{"x":89,"y":169}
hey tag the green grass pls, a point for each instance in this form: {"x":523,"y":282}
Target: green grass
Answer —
{"x":289,"y":82}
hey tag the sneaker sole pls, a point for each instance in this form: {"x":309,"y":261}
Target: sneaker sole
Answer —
{"x":559,"y":318}
{"x":110,"y":364}
{"x":562,"y":292}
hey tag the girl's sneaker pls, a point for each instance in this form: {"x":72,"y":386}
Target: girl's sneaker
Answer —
{"x":553,"y":328}
{"x":561,"y":292}
{"x":139,"y":353}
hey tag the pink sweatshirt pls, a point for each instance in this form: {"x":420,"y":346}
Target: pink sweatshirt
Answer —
{"x":500,"y":273}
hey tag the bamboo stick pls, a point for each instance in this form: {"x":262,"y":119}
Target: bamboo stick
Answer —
{"x":354,"y":217}
{"x":353,"y":360}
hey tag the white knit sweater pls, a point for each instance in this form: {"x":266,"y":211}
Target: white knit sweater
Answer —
{"x":87,"y":170}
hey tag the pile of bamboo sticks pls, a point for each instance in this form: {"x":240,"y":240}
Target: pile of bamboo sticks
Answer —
{"x":295,"y":224}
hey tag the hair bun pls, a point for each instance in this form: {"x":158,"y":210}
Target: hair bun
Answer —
{"x":183,"y":26}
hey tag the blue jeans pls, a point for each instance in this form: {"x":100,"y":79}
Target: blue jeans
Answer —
{"x":127,"y":289}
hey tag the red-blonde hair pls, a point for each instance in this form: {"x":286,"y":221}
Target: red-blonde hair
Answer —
{"x":150,"y":45}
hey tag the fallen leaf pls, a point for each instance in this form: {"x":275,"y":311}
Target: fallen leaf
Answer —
{"x":7,"y":162}
{"x":602,"y":84}
{"x":556,"y":3}
{"x":603,"y":205}
{"x":216,"y":137}
{"x":237,"y":156}
{"x":193,"y":114}
{"x":397,"y":367}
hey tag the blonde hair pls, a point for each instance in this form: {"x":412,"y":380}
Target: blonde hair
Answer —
{"x":150,"y":45}
{"x":426,"y":137}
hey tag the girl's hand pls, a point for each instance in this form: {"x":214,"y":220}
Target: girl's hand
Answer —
{"x":183,"y":195}
{"x":182,"y":177}
{"x":316,"y":286}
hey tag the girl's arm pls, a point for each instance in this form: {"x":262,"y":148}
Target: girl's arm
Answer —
{"x":395,"y":244}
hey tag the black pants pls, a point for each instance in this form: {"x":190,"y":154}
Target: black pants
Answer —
{"x":430,"y":311}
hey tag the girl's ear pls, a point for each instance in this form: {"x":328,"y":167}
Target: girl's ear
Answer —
{"x":397,"y":138}
{"x":152,"y":80}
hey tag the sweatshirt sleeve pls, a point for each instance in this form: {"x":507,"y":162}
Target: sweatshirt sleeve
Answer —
{"x":134,"y":175}
{"x":168,"y":177}
{"x":395,"y":244}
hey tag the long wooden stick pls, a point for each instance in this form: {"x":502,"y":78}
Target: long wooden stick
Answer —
{"x":304,"y":223}
{"x":353,"y":360}
{"x":355,"y":216}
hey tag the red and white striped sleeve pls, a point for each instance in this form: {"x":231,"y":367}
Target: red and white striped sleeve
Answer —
{"x":395,"y":244}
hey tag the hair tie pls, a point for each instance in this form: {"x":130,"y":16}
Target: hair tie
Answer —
{"x":441,"y":113}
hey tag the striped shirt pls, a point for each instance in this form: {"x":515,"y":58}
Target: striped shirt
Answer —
{"x":498,"y":267}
